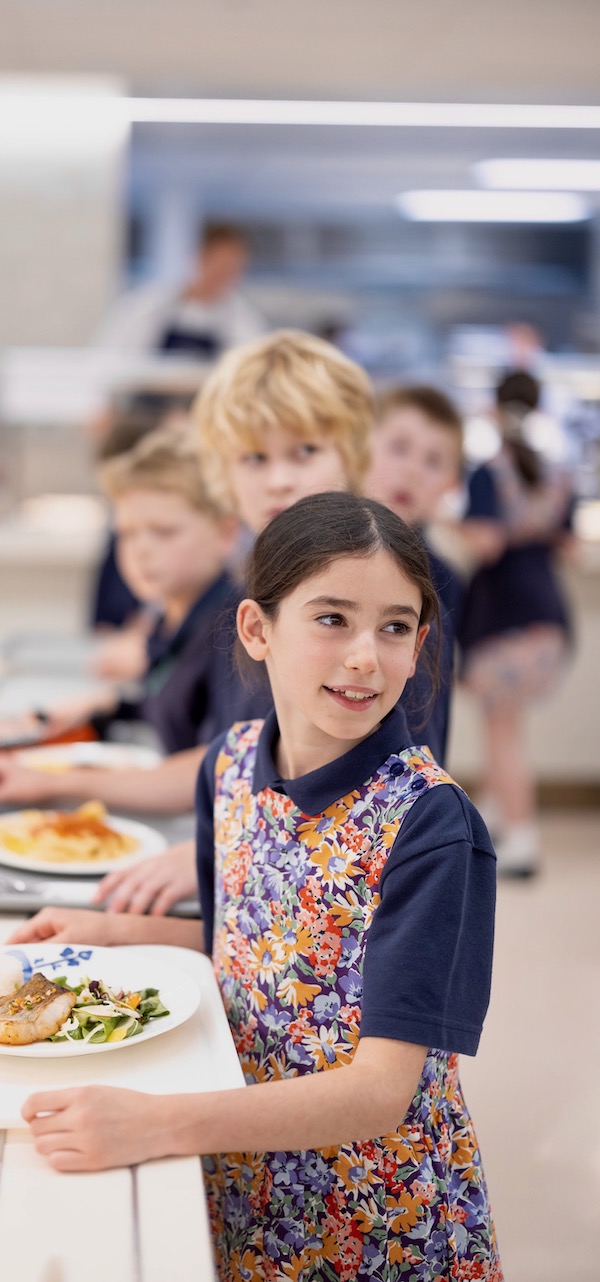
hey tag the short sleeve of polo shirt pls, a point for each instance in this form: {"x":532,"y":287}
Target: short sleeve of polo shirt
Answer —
{"x":482,"y":501}
{"x":428,"y":959}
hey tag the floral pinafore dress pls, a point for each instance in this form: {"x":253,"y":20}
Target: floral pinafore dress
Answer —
{"x":294,"y":898}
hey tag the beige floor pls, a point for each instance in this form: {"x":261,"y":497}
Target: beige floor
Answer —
{"x":534,"y":1087}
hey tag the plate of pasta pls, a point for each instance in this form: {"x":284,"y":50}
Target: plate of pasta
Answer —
{"x":86,"y":841}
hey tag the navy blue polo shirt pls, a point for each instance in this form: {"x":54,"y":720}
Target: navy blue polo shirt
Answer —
{"x":521,"y":588}
{"x":428,"y":959}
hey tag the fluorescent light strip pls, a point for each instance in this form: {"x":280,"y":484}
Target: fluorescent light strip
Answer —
{"x":538,"y":175}
{"x":247,"y":111}
{"x":491,"y":206}
{"x":52,"y":111}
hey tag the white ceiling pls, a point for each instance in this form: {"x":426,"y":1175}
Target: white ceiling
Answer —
{"x":465,"y":50}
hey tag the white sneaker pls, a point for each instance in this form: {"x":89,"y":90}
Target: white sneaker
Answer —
{"x":518,"y":851}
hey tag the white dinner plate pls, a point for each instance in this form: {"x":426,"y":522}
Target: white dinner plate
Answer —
{"x":105,"y":756}
{"x":117,"y":967}
{"x":150,"y":842}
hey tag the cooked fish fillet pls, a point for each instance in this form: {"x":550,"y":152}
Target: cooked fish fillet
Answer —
{"x":35,"y":1012}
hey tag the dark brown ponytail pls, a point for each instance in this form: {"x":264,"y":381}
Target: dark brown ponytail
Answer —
{"x":516,"y":396}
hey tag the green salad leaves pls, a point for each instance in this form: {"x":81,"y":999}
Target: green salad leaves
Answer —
{"x":103,"y":1015}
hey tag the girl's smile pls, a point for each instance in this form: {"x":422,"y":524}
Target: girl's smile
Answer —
{"x":338,"y":653}
{"x":354,"y":697}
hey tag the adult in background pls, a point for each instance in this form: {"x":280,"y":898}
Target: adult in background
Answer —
{"x":200,"y":319}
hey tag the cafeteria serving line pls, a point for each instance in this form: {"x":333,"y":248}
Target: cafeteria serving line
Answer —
{"x":298,"y":294}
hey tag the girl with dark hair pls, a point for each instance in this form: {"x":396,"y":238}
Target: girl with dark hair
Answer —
{"x":347,"y":889}
{"x":514,"y":630}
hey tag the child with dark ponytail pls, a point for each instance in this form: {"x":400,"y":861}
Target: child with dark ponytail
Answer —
{"x":515,"y":626}
{"x":347,"y":889}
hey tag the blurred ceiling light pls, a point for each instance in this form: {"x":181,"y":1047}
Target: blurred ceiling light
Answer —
{"x":492,"y":206}
{"x":28,"y":107}
{"x":539,"y":175}
{"x":239,"y":111}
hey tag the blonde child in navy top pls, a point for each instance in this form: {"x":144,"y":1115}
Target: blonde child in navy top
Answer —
{"x":277,"y":419}
{"x":347,"y":887}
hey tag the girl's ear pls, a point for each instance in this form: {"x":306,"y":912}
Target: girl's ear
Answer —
{"x":421,"y":634}
{"x":252,"y":629}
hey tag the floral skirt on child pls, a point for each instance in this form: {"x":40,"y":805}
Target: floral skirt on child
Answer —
{"x":412,"y":1207}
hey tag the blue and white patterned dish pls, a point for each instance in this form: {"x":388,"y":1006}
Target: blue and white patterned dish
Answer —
{"x":119,"y":968}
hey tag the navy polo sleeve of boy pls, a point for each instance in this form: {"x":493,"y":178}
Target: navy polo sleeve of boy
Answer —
{"x":428,"y":960}
{"x":205,"y":838}
{"x":483,"y":499}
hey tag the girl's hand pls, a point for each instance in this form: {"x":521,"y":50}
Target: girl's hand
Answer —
{"x":152,"y":884}
{"x":95,"y":1127}
{"x":68,"y":925}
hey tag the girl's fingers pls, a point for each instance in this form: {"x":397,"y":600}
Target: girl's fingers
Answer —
{"x":21,"y":935}
{"x":120,"y":882}
{"x":66,"y":925}
{"x":141,"y":901}
{"x":124,"y":897}
{"x":46,"y":1102}
{"x":48,"y":1124}
{"x":56,"y":1141}
{"x":105,"y":888}
{"x":67,"y":1159}
{"x":165,"y":900}
{"x":38,"y":927}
